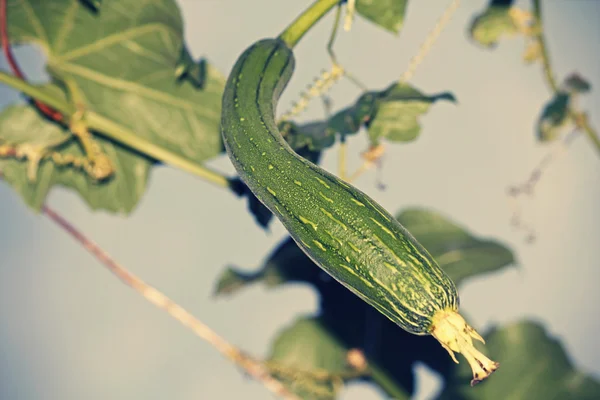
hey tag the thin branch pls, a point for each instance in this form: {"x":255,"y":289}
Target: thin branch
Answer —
{"x":305,"y":21}
{"x":333,"y":34}
{"x":333,"y":57}
{"x":548,"y":72}
{"x":580,"y":119}
{"x":251,"y":366}
{"x":429,"y":41}
{"x":527,"y":188}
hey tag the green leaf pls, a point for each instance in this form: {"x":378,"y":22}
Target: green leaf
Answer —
{"x":575,"y":83}
{"x":123,"y":59}
{"x":389,"y":14}
{"x":392,"y":113}
{"x":308,"y":359}
{"x":315,"y":136}
{"x":460,"y":254}
{"x":533,"y":365}
{"x":398,"y":112}
{"x":349,"y":120}
{"x":23,"y":126}
{"x":555,"y":117}
{"x":491,"y":25}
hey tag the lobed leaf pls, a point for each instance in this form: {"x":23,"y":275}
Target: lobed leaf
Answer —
{"x":494,"y":23}
{"x":398,"y":112}
{"x":128,"y":63}
{"x":23,"y":126}
{"x":388,"y":14}
{"x":391,"y":114}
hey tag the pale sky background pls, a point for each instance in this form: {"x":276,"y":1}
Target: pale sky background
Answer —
{"x":70,"y":330}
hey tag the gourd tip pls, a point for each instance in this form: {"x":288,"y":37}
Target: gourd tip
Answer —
{"x":455,"y":335}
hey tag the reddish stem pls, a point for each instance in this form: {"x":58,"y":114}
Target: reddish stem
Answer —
{"x":12,"y":62}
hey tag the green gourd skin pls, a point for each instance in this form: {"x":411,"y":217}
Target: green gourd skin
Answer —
{"x":340,"y":228}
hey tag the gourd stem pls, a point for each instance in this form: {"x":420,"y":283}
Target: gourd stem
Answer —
{"x":548,"y":73}
{"x":297,"y":29}
{"x":112,"y":130}
{"x":253,"y":367}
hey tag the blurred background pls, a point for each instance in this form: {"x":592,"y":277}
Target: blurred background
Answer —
{"x":70,"y":330}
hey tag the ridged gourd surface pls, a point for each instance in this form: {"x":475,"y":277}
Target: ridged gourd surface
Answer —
{"x":339,"y":227}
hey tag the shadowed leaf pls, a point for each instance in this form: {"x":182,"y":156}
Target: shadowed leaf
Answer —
{"x":555,"y":118}
{"x":314,"y":136}
{"x":308,"y":359}
{"x":575,"y":83}
{"x":287,"y":263}
{"x":95,"y":4}
{"x":533,"y":365}
{"x":459,"y":253}
{"x":346,"y":322}
{"x":262,"y":215}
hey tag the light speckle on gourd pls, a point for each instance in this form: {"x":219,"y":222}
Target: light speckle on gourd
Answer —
{"x":305,"y":220}
{"x":322,"y":182}
{"x":353,"y":247}
{"x":319,"y":245}
{"x":325,"y":197}
{"x":357,"y":202}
